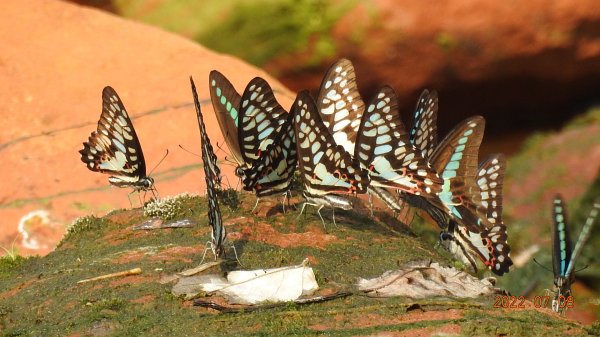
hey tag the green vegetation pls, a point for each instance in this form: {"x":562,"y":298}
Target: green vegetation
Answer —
{"x":262,"y":29}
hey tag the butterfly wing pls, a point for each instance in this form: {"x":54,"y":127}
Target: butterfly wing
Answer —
{"x":423,"y":134}
{"x":207,"y":148}
{"x":261,"y":116}
{"x":114,"y":147}
{"x":561,"y":241}
{"x":583,"y":236}
{"x":226,"y":103}
{"x":272,"y":173}
{"x":489,"y":245}
{"x":340,"y":104}
{"x":490,"y":179}
{"x":212,"y":176}
{"x":455,"y":159}
{"x":383,"y":146}
{"x":325,"y":166}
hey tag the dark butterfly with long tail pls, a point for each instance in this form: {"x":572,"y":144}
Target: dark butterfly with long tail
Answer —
{"x":325,"y":167}
{"x":563,"y":257}
{"x":114,"y":147}
{"x":250,"y":124}
{"x":211,"y":173}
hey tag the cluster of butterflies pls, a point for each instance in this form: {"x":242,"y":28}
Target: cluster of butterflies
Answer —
{"x":341,"y":147}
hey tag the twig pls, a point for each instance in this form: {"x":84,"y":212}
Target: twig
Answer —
{"x":134,"y":271}
{"x":229,"y":310}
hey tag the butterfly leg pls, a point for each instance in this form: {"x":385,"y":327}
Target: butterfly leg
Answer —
{"x":289,"y":199}
{"x":302,"y":209}
{"x":208,"y":247}
{"x":283,"y":202}
{"x":256,"y":204}
{"x":236,"y":255}
{"x":333,"y":216}
{"x":320,"y":216}
{"x":155,"y":193}
{"x":129,"y":198}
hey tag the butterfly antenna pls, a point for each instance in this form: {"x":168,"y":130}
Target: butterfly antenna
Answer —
{"x":188,"y":151}
{"x":228,"y":161}
{"x":584,"y":268}
{"x":220,"y":148}
{"x":163,"y":158}
{"x":539,"y":264}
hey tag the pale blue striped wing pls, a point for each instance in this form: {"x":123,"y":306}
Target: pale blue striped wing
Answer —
{"x":325,"y":167}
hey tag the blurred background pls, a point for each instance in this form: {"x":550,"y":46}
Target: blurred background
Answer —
{"x":531,"y":68}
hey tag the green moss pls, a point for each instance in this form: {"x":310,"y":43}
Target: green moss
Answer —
{"x":46,"y":300}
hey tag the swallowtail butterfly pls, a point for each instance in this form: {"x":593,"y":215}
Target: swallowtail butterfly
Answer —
{"x":470,"y":205}
{"x":211,"y":172}
{"x":250,"y":124}
{"x":342,"y":109}
{"x":325,"y":167}
{"x":274,"y":169}
{"x":563,"y":257}
{"x":383,"y":146}
{"x":114,"y":147}
{"x":490,"y":243}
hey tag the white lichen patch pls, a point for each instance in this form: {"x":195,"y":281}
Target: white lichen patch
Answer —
{"x":166,"y":208}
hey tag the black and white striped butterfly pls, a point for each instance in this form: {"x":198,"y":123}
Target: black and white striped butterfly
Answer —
{"x":212,"y":176}
{"x":327,"y":170}
{"x":563,"y":257}
{"x":114,"y":147}
{"x":250,"y":124}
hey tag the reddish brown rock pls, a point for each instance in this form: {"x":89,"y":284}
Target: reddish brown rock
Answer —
{"x":57,"y":58}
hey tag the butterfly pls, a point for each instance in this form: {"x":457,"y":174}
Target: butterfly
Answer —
{"x":250,"y":124}
{"x":490,"y":242}
{"x":114,"y":147}
{"x":383,"y":146}
{"x":274,"y":169}
{"x":563,"y":257}
{"x":212,"y":176}
{"x":343,"y":113}
{"x":326,"y":168}
{"x":470,"y":204}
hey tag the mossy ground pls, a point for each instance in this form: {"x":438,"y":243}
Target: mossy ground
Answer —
{"x":40,"y":297}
